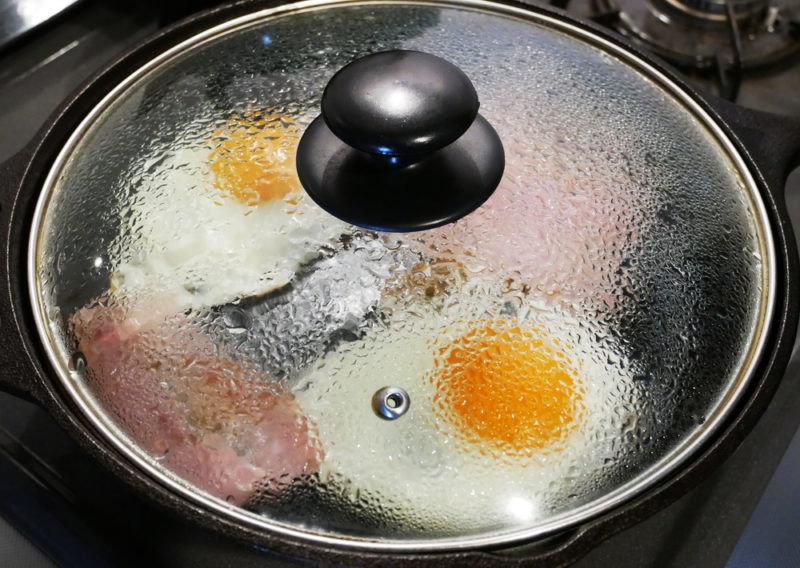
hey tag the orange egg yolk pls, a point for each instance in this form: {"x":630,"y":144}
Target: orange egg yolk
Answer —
{"x":504,"y":386}
{"x":253,"y":158}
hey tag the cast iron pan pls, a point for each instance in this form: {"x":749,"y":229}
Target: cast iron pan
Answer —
{"x":769,"y":144}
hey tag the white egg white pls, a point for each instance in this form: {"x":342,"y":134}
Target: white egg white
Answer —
{"x":185,"y":241}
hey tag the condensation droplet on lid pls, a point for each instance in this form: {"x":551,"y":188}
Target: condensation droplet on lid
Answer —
{"x":77,"y":363}
{"x":600,"y":222}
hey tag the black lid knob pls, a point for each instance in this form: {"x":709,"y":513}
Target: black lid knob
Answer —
{"x":399,"y":103}
{"x":400,"y":145}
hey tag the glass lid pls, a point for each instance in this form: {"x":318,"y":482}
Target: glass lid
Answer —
{"x":534,"y":363}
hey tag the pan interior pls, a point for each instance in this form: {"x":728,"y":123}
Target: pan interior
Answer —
{"x":561,"y":348}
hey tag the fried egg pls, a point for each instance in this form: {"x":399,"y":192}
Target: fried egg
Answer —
{"x":508,"y":416}
{"x":506,"y":389}
{"x":225,"y":221}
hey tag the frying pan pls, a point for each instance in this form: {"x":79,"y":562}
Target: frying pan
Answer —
{"x":770,"y":146}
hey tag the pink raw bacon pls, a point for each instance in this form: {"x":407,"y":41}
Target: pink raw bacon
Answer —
{"x":227,"y":430}
{"x":552,"y":227}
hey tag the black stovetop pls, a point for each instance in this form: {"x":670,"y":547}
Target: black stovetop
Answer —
{"x":58,"y":506}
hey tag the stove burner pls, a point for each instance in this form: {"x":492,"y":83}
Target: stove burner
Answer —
{"x":715,"y":10}
{"x":712,"y":35}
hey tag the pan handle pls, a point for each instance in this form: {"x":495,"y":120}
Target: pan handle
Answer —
{"x":773,"y":141}
{"x":17,"y":374}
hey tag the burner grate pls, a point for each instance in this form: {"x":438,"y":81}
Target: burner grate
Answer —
{"x":722,"y":41}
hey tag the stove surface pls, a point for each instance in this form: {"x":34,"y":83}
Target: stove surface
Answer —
{"x":58,"y":507}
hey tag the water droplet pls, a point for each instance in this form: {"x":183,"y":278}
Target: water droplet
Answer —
{"x":77,"y":363}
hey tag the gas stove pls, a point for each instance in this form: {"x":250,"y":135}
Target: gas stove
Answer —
{"x":57,"y":507}
{"x":706,"y":35}
{"x":746,"y":51}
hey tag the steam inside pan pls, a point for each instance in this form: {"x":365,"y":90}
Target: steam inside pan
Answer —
{"x":552,"y":347}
